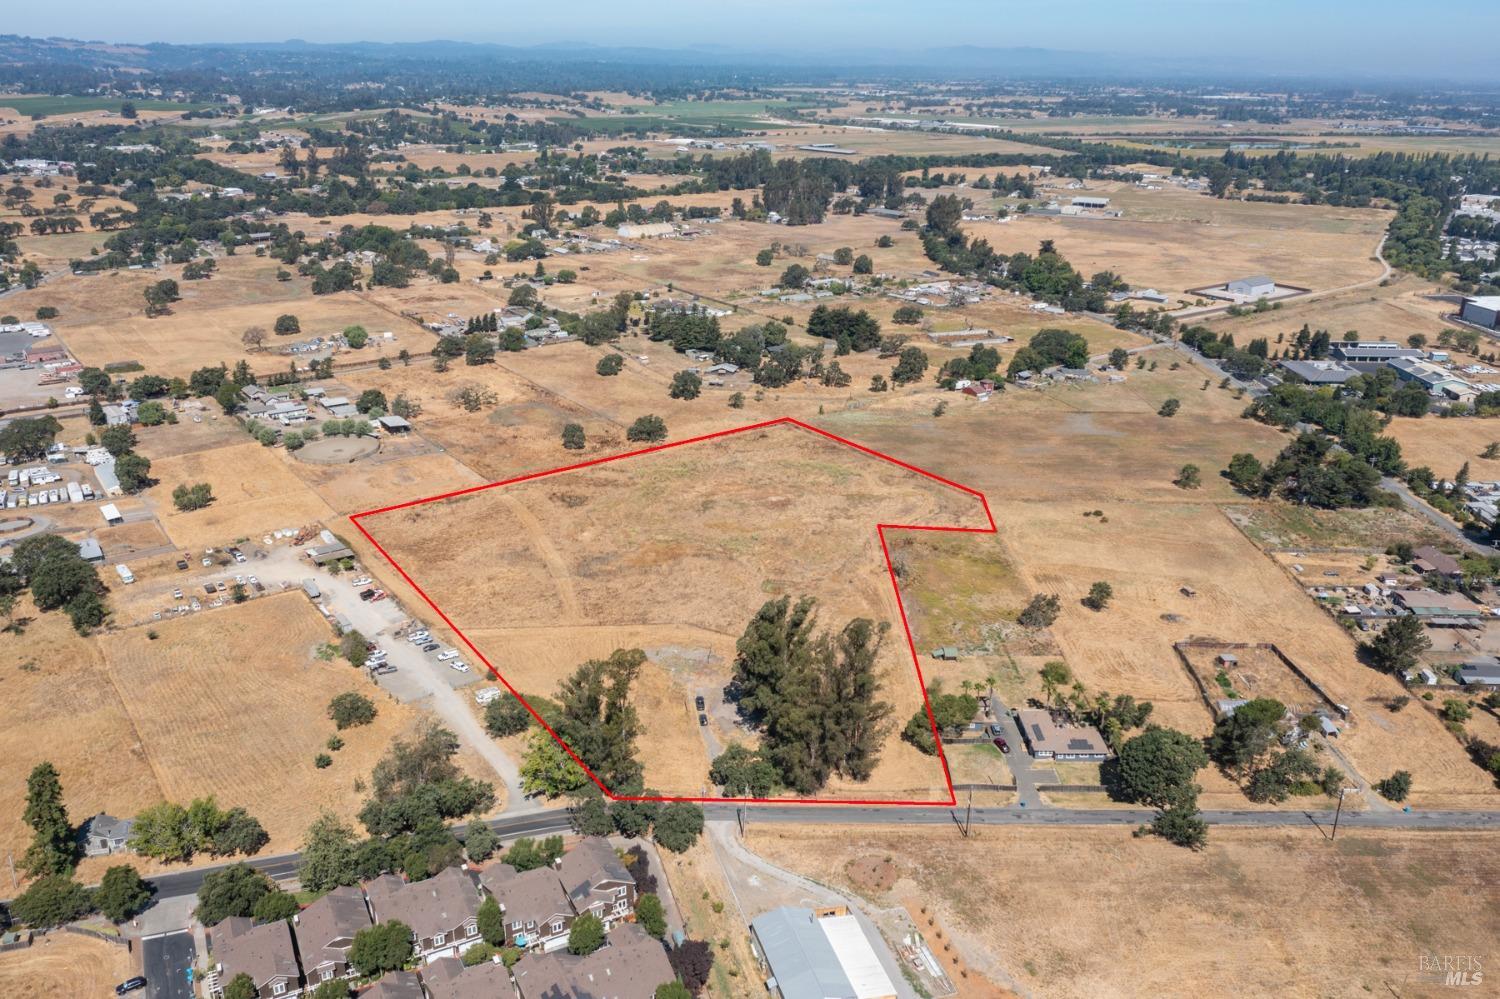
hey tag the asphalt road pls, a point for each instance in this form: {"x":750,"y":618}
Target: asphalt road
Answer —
{"x":1416,"y":505}
{"x":284,"y":867}
{"x":165,"y":960}
{"x":558,"y":820}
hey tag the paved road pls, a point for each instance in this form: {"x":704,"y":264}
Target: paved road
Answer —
{"x":284,"y":866}
{"x":556,"y":820}
{"x":1016,"y":815}
{"x":1416,"y":505}
{"x":165,"y":961}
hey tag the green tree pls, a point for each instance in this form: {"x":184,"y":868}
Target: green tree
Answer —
{"x":1244,"y":473}
{"x":572,"y":437}
{"x":1041,"y":611}
{"x":764,"y":258}
{"x":121,"y":893}
{"x":547,"y":769}
{"x":194,"y":497}
{"x":480,"y":840}
{"x":380,"y":948}
{"x":650,"y":429}
{"x":1398,"y":647}
{"x":1240,"y":740}
{"x":610,"y":364}
{"x":678,"y":826}
{"x":1188,"y":477}
{"x":230,"y":891}
{"x":49,"y":901}
{"x":586,"y":935}
{"x":506,"y":716}
{"x":273,"y":905}
{"x":1156,"y":765}
{"x":52,"y":849}
{"x":1118,"y":358}
{"x":1395,"y":787}
{"x":910,"y":367}
{"x":351,"y":709}
{"x":329,"y":855}
{"x":1178,"y":822}
{"x":491,"y":922}
{"x":686,"y":385}
{"x":1169,"y":408}
{"x":241,"y":986}
{"x":287,"y":325}
{"x":652,"y":915}
{"x":134,"y":472}
{"x":1099,"y":596}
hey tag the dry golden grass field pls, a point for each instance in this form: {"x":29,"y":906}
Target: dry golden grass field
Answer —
{"x":218,"y":707}
{"x":1049,"y":458}
{"x":63,"y":966}
{"x":632,"y":545}
{"x":255,"y":491}
{"x":1393,"y":312}
{"x":1097,"y":913}
{"x":1445,"y":445}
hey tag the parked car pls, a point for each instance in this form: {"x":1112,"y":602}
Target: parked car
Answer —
{"x":418,"y":637}
{"x":700,"y":703}
{"x":459,"y":665}
{"x":379,"y":595}
{"x":207,"y":561}
{"x":430,"y":646}
{"x":702,"y":719}
{"x":366,"y":594}
{"x":254,"y":581}
{"x":362,"y":581}
{"x":1002,"y":745}
{"x":130,"y":985}
{"x":994,"y":731}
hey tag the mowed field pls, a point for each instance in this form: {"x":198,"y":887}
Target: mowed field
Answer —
{"x":208,"y":707}
{"x":697,"y":537}
{"x":1049,"y":459}
{"x":63,"y":966}
{"x":1097,"y":913}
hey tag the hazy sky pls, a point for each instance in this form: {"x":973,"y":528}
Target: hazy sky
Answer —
{"x":1404,"y":38}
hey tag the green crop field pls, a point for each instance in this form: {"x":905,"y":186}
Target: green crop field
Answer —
{"x":48,"y":105}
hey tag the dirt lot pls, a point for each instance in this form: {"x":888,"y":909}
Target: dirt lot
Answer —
{"x":1128,"y":919}
{"x":772,"y":512}
{"x":64,"y":965}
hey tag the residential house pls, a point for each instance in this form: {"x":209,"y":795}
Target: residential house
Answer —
{"x":325,"y":932}
{"x":1049,"y":739}
{"x":538,"y":914}
{"x":265,"y":953}
{"x":104,"y":834}
{"x":597,"y":882}
{"x":442,"y":911}
{"x":1444,"y":609}
{"x":396,"y":985}
{"x":447,"y":978}
{"x":1480,"y":671}
{"x":633,"y":965}
{"x":1428,"y":559}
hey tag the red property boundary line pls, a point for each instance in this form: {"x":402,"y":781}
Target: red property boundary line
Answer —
{"x":881,"y":529}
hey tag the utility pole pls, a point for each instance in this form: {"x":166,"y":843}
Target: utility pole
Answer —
{"x":10,"y":858}
{"x":1339,"y":811}
{"x":969,"y":814}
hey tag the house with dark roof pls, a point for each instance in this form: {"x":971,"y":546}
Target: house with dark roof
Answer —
{"x":597,"y":882}
{"x":632,"y":965}
{"x":104,"y":834}
{"x":1049,"y":739}
{"x":396,"y":985}
{"x":538,"y":912}
{"x":1481,"y":671}
{"x":442,"y":911}
{"x":1428,"y":559}
{"x":447,"y":978}
{"x":266,"y":953}
{"x":325,"y":932}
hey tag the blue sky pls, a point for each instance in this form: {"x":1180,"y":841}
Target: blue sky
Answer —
{"x":1314,"y":36}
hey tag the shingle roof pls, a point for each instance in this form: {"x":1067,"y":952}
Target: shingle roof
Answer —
{"x":326,"y":928}
{"x":590,"y":862}
{"x":530,"y":897}
{"x":632,"y":966}
{"x":490,"y":980}
{"x":397,"y":985}
{"x":436,"y":905}
{"x":263,"y":952}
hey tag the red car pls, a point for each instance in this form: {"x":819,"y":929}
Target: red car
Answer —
{"x":1002,"y":745}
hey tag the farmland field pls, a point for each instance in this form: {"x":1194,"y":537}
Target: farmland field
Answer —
{"x":630,"y":546}
{"x":63,"y":966}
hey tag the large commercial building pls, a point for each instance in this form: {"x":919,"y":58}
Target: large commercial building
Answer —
{"x":1483,"y":311}
{"x":819,"y":955}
